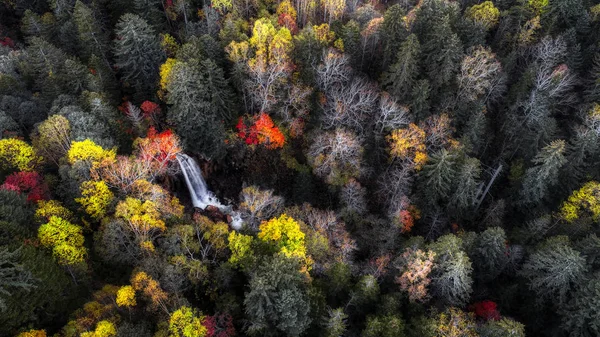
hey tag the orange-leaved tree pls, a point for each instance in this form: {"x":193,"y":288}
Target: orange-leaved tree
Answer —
{"x":263,"y":131}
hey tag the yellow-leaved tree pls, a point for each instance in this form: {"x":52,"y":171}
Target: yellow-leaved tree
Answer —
{"x":283,"y":235}
{"x":16,"y":154}
{"x":96,"y":198}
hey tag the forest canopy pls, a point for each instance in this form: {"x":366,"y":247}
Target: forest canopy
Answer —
{"x":358,"y":168}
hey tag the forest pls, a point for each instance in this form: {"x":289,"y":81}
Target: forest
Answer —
{"x":326,"y":168}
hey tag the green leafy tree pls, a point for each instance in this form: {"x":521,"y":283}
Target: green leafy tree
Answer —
{"x":384,"y":326}
{"x":505,"y":327}
{"x":335,"y":324}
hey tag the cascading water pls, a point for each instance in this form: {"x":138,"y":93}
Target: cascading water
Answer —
{"x":201,"y":196}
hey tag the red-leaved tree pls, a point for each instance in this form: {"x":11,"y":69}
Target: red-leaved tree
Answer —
{"x":262,"y":131}
{"x":219,"y":325}
{"x":30,"y":183}
{"x":486,"y":309}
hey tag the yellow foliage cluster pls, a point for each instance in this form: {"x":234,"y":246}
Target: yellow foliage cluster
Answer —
{"x":96,"y":197}
{"x":150,"y":288}
{"x":165,"y":72}
{"x":409,"y":144}
{"x":169,"y":44}
{"x":166,"y":204}
{"x":286,"y":7}
{"x":484,"y":13}
{"x":586,"y":198}
{"x":126,"y":297}
{"x":89,"y":151}
{"x":33,"y":333}
{"x":241,"y":248}
{"x":455,"y":322}
{"x":103,"y":329}
{"x":65,"y":239}
{"x":143,"y":219}
{"x":48,"y":208}
{"x":285,"y":235}
{"x":186,"y":322}
{"x":324,"y":34}
{"x":16,"y":154}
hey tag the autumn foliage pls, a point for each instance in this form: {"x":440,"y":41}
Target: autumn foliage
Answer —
{"x":262,"y":131}
{"x":30,"y":183}
{"x":486,"y":310}
{"x":219,"y":325}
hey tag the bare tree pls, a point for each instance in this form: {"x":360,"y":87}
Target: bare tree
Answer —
{"x":350,"y":105}
{"x":334,"y":70}
{"x":479,"y":74}
{"x":352,"y":197}
{"x":391,"y":115}
{"x":336,"y":156}
{"x":257,"y":205}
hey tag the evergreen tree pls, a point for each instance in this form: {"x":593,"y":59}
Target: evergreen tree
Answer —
{"x":138,"y":53}
{"x":554,"y":269}
{"x":544,"y":174}
{"x":580,"y":316}
{"x":490,"y":253}
{"x":277,"y":300}
{"x":92,"y":40}
{"x":438,"y":176}
{"x":451,"y":275}
{"x":393,"y":33}
{"x":200,"y":99}
{"x":401,"y":77}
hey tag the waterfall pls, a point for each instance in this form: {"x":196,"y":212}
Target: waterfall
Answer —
{"x":201,"y":196}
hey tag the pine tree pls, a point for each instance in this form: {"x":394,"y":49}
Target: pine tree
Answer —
{"x":200,"y":98}
{"x":401,"y":77}
{"x":92,"y":40}
{"x":491,"y":253}
{"x":451,"y":276}
{"x":554,"y":269}
{"x":12,"y":275}
{"x":277,"y":299}
{"x":438,"y":175}
{"x":138,"y":53}
{"x":393,"y":33}
{"x":539,"y":178}
{"x":580,"y":316}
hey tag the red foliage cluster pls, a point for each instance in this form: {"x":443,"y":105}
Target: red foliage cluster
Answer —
{"x":8,"y":42}
{"x":262,"y":131}
{"x":287,"y":21}
{"x":169,"y":3}
{"x":159,"y":146}
{"x":30,"y":183}
{"x":150,"y":108}
{"x":378,"y":267}
{"x":219,"y":325}
{"x":486,"y":310}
